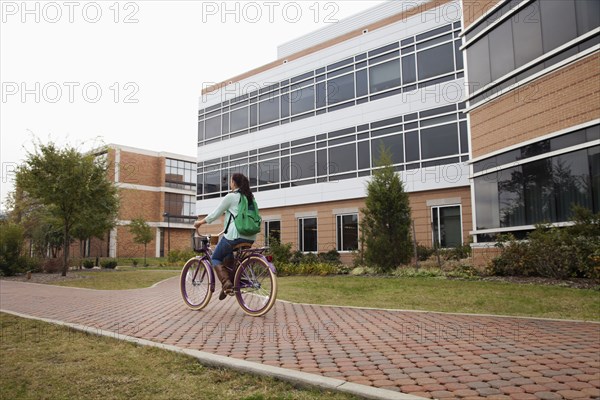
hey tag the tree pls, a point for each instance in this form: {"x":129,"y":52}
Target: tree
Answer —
{"x":386,"y":218}
{"x":142,"y":233}
{"x":71,"y":186}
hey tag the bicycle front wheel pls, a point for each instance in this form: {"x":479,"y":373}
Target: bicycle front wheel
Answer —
{"x":256,"y":286}
{"x":196,"y":281}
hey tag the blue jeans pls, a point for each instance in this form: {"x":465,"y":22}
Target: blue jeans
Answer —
{"x":224,"y":249}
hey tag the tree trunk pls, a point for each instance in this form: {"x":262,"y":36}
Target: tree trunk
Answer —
{"x":145,"y":245}
{"x":65,"y":252}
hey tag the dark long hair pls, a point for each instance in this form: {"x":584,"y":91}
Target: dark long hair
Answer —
{"x":243,"y":185}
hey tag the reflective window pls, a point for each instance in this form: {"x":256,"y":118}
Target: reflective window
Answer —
{"x":527,"y":34}
{"x":307,"y":234}
{"x":362,"y":86}
{"x":303,"y":166}
{"x":412,"y":146}
{"x":272,"y":231}
{"x":588,"y":15}
{"x":180,"y":174}
{"x":268,"y":110}
{"x":558,"y":23}
{"x":239,"y":119}
{"x":268,"y":172}
{"x":478,"y":60}
{"x":409,"y":69}
{"x":303,"y":100}
{"x":180,"y":205}
{"x":340,"y":89}
{"x":541,"y":191}
{"x":342,"y":158}
{"x":393,"y":144}
{"x":447,"y":226}
{"x":347,"y":232}
{"x":436,"y":61}
{"x":384,"y":76}
{"x":439,"y":141}
{"x":213,"y":128}
{"x":502,"y":57}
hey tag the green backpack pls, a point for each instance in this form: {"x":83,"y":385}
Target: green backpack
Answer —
{"x":248,"y":220}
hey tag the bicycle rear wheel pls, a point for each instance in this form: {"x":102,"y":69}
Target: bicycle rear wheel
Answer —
{"x":196,"y":282}
{"x":255,"y":286}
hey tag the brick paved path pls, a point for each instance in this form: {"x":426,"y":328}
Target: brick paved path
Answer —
{"x":426,"y":354}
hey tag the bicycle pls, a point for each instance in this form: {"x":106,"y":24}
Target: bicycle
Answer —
{"x":254,"y":283}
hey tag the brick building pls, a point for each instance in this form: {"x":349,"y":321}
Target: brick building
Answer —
{"x":307,"y":128}
{"x":158,"y":187}
{"x":533,"y":69}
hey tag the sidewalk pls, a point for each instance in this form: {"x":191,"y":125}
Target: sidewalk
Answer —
{"x":424,"y":354}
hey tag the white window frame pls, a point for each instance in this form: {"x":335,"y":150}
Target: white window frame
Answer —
{"x":433,"y":239}
{"x":339,"y":241}
{"x":301,"y":232}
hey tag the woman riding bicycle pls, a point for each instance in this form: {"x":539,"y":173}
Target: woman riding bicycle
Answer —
{"x":222,"y":258}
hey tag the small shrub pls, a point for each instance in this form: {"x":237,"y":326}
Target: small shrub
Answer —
{"x":410,"y":272}
{"x":11,"y":245}
{"x":330,"y":257}
{"x":424,"y":252}
{"x":109,"y":264}
{"x":282,"y":253}
{"x":297,"y":257}
{"x":88,"y":264}
{"x":321,"y":269}
{"x":134,"y":262}
{"x":52,"y":265}
{"x":179,"y":256}
{"x":456,"y":253}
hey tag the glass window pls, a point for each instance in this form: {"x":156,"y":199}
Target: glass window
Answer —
{"x":436,"y":61}
{"x":268,"y":172}
{"x":527,"y":35}
{"x":558,"y":23}
{"x":307,"y":234}
{"x":464,"y":140}
{"x":340,"y":89}
{"x":502,"y":57}
{"x":571,"y":180}
{"x":225,"y":123}
{"x":303,"y":100}
{"x":412,"y":146}
{"x":447,"y":226}
{"x":588,"y":15}
{"x":239,"y":119}
{"x":362,"y":86}
{"x":212,"y":180}
{"x":409,"y":69}
{"x":393,"y":144}
{"x":272,"y":231}
{"x":347,"y":232}
{"x":511,"y":199}
{"x":285,"y":105}
{"x":478,"y":59}
{"x":458,"y":55}
{"x":486,"y":198}
{"x":213,"y":127}
{"x":321,"y":95}
{"x":200,"y":131}
{"x":180,"y":205}
{"x":439,"y":141}
{"x":364,"y":155}
{"x":384,"y":76}
{"x":268,"y":110}
{"x":342,"y":158}
{"x":322,"y":162}
{"x":303,"y":166}
{"x":253,"y":115}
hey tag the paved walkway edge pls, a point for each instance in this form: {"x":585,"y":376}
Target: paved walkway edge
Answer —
{"x":296,"y":378}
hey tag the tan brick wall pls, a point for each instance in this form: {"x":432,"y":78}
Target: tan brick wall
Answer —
{"x":139,"y":203}
{"x":181,"y":239}
{"x":126,"y":247}
{"x":566,"y":97}
{"x":481,"y":257}
{"x":473,"y":9}
{"x":421,"y":213}
{"x":141,"y":169}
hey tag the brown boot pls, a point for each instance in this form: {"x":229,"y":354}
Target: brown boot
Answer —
{"x":226,"y":286}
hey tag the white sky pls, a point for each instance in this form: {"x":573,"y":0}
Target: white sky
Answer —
{"x":162,"y":61}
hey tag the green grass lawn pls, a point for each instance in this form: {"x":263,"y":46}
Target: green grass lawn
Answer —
{"x":44,"y":361}
{"x":120,"y":279}
{"x":408,"y":293}
{"x":438,"y":294}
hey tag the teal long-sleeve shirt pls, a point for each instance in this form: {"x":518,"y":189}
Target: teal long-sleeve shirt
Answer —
{"x":230,"y":206}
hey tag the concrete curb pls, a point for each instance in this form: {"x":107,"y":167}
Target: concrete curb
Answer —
{"x":297,"y":378}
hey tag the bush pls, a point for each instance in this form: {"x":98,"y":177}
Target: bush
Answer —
{"x":88,"y":264}
{"x":553,"y":252}
{"x":330,"y":257}
{"x":52,"y":265}
{"x":282,"y":253}
{"x":134,"y":262}
{"x":11,"y":244}
{"x":179,"y":256}
{"x":108,"y":264}
{"x":457,"y":253}
{"x":424,"y":252}
{"x":318,"y":268}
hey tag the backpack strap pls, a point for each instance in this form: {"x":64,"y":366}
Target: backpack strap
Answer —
{"x":231,"y":217}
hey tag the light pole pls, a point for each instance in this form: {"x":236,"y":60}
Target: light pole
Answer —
{"x":168,"y":232}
